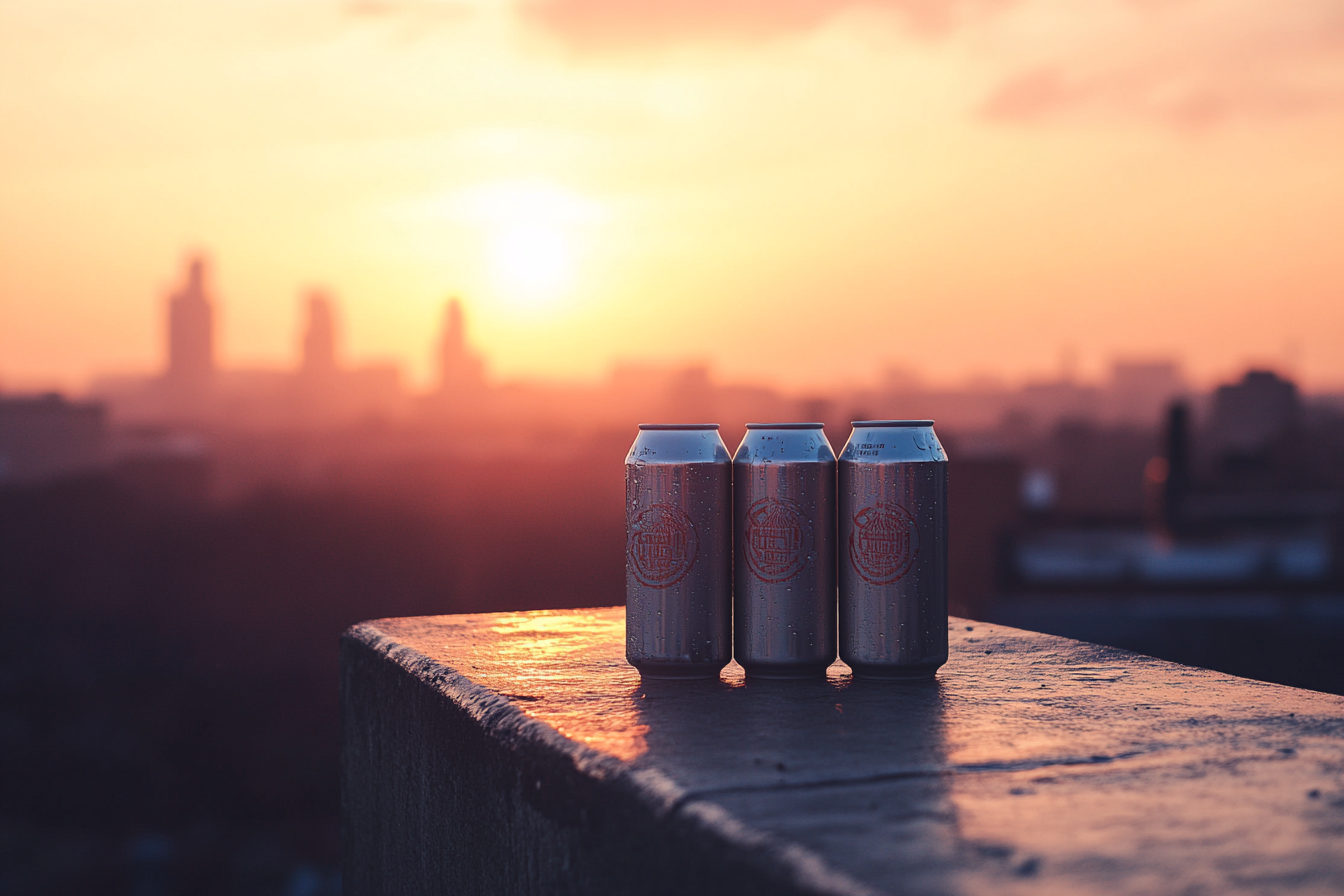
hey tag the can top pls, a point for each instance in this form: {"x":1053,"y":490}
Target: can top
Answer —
{"x":892,"y":442}
{"x":783,"y":443}
{"x":678,"y":443}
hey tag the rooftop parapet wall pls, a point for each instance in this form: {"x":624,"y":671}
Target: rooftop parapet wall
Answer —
{"x":519,"y":753}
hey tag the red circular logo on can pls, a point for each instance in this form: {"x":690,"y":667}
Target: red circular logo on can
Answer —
{"x":778,"y":539}
{"x":662,"y":545}
{"x":884,"y":543}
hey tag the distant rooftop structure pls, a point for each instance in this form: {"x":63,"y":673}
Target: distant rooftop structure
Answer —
{"x":1140,"y":390}
{"x":191,"y":333}
{"x":460,"y":369}
{"x":1153,"y":377}
{"x":319,"y":340}
{"x":1248,"y":415}
{"x":46,"y":437}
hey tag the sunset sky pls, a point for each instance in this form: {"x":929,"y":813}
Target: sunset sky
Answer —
{"x":799,"y":192}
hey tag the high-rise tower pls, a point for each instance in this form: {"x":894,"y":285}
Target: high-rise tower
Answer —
{"x":191,"y":334}
{"x":460,"y":369}
{"x":319,"y":342}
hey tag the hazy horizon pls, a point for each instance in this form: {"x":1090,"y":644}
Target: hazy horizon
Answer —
{"x":798,"y":195}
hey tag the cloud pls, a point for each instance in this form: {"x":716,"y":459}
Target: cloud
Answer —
{"x":1184,"y":63}
{"x":1187,"y":63}
{"x":1029,"y":95}
{"x":625,"y":25}
{"x":415,"y":15}
{"x":1181,"y":63}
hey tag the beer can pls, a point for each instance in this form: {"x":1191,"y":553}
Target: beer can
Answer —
{"x":679,"y":551}
{"x":892,"y":484}
{"x":784,"y":551}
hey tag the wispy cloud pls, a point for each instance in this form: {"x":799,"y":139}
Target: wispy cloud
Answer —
{"x":414,"y":16}
{"x":1186,"y":63}
{"x":1189,"y":63}
{"x":622,"y":26}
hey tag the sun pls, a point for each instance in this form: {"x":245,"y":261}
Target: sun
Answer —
{"x":533,"y":240}
{"x":531,"y":262}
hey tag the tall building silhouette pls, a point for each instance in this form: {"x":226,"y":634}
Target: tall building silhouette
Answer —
{"x":319,"y":340}
{"x":1177,"y":483}
{"x":461,"y":370}
{"x":191,"y":334}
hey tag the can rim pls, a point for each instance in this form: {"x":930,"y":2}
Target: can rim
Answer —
{"x":858,"y":423}
{"x":786,"y":425}
{"x":683,"y":426}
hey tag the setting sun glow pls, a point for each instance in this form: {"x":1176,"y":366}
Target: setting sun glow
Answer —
{"x":529,"y":230}
{"x":531,"y":264}
{"x":1000,"y":184}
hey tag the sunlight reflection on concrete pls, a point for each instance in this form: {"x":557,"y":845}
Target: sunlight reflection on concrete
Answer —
{"x":1030,"y":758}
{"x":546,"y":662}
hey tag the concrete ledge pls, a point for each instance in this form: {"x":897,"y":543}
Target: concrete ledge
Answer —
{"x":518,"y":753}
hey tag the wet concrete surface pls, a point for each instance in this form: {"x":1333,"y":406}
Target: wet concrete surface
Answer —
{"x":1032,"y":764}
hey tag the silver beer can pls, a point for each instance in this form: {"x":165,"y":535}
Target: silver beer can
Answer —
{"x":678,"y":551}
{"x":893,"y":545}
{"x":784,"y":546}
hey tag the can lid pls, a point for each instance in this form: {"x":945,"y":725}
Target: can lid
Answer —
{"x":678,"y":426}
{"x":858,"y":423}
{"x":786,"y":425}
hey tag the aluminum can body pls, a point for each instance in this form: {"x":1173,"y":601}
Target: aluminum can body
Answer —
{"x":892,"y":483}
{"x":784,"y":602}
{"x":678,"y":552}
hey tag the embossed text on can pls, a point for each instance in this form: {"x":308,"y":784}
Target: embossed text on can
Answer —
{"x":784,"y":551}
{"x":892,"y":491}
{"x":678,"y":552}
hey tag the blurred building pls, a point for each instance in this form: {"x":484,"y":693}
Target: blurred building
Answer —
{"x":324,"y":391}
{"x":983,"y":513}
{"x":161,"y":468}
{"x":1140,"y":390}
{"x":319,"y":340}
{"x":1238,"y":561}
{"x":461,"y":370}
{"x":1253,"y":500}
{"x":461,"y":391}
{"x":191,"y":336}
{"x":47,"y":437}
{"x":194,"y":392}
{"x":1248,"y":417}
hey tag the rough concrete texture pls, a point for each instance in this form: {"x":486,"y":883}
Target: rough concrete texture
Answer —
{"x":519,"y":753}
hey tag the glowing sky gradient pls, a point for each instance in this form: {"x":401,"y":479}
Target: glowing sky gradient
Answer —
{"x":797,"y":192}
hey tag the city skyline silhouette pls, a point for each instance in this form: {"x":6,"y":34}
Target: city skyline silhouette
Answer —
{"x":798,"y":198}
{"x":333,"y":310}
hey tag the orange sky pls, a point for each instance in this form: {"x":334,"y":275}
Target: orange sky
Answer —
{"x":797,"y":192}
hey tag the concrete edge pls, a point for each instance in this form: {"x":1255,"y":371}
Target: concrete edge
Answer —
{"x":784,"y":865}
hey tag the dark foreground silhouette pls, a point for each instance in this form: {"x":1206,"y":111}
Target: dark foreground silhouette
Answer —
{"x":168,"y":702}
{"x":168,"y":675}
